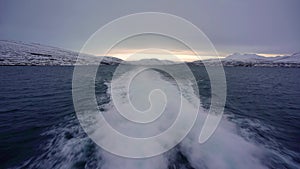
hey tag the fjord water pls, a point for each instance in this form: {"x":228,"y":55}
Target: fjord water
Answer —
{"x":260,"y":128}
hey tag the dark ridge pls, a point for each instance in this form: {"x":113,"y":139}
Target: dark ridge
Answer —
{"x":40,"y":54}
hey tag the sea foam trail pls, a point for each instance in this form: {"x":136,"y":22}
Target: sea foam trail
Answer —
{"x":70,"y":147}
{"x":139,"y":89}
{"x":224,"y":150}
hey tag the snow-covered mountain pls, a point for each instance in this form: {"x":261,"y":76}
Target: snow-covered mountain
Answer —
{"x":254,"y":60}
{"x":294,"y":58}
{"x":20,"y":53}
{"x":245,"y":58}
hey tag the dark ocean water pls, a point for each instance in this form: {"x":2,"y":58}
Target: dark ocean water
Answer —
{"x":39,"y":128}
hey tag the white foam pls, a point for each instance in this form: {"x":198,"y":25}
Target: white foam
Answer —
{"x":224,"y":150}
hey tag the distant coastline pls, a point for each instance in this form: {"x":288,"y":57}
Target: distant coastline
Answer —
{"x":13,"y":53}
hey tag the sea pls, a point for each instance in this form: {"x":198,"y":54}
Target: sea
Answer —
{"x":260,"y":127}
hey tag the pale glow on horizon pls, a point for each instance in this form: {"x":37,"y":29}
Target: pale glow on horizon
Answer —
{"x":181,"y":55}
{"x":161,"y":54}
{"x":271,"y":54}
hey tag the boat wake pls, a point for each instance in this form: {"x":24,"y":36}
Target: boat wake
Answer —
{"x":70,"y":147}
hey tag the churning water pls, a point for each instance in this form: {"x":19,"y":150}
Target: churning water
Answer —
{"x":260,"y":128}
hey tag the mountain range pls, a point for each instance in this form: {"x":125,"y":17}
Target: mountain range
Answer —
{"x":20,"y":53}
{"x":294,"y":58}
{"x":254,"y":60}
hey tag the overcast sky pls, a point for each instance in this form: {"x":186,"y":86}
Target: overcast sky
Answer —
{"x":256,"y":26}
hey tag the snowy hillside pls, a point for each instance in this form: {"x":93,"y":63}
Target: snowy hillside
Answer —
{"x":294,"y":58}
{"x":245,"y":58}
{"x":254,"y":60}
{"x":20,"y":53}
